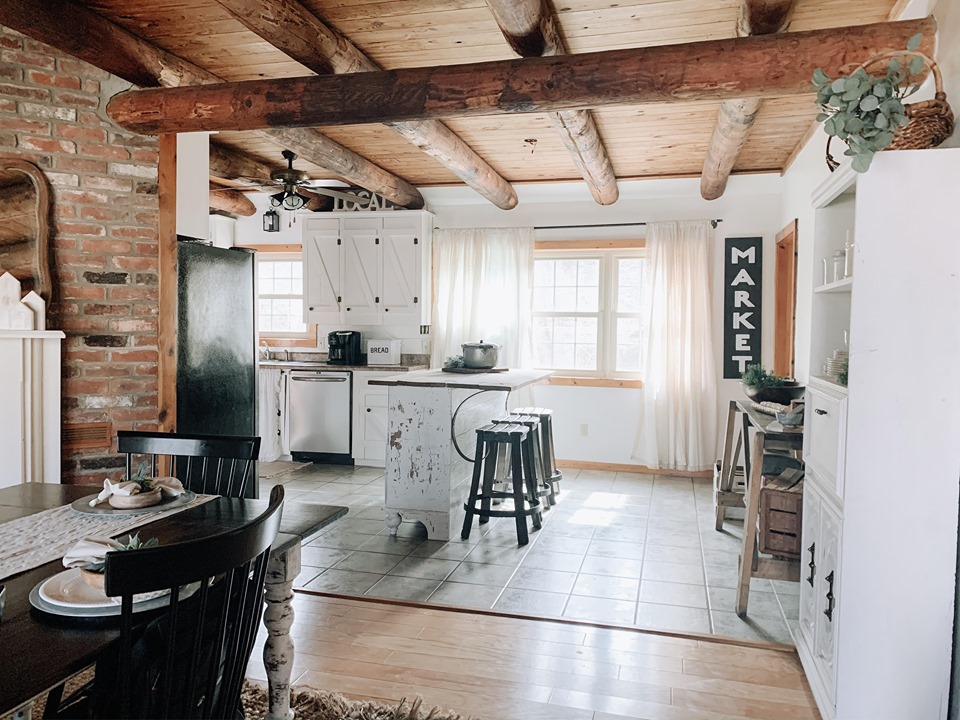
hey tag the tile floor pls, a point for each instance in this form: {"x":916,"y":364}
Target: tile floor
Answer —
{"x":622,"y":548}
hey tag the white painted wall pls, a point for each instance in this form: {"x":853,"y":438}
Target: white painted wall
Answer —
{"x":193,"y":185}
{"x":750,"y":207}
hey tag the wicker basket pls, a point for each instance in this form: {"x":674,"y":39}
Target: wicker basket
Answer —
{"x":931,"y":121}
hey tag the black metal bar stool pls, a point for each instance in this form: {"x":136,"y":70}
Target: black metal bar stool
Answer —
{"x":534,"y":446}
{"x":547,"y":451}
{"x":490,"y":438}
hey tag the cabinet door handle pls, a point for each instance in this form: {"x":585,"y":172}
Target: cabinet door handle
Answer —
{"x":416,"y":299}
{"x":348,"y":309}
{"x":311,"y":307}
{"x":820,"y":411}
{"x":386,"y":309}
{"x":812,"y":565}
{"x":377,"y":300}
{"x":368,"y":409}
{"x":829,"y":611}
{"x":339,"y":299}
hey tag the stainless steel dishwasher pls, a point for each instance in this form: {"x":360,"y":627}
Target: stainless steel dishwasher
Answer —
{"x":320,"y":415}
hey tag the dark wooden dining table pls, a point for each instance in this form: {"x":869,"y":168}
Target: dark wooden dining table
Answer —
{"x":38,"y":653}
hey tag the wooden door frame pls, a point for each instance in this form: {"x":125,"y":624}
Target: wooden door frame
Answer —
{"x":785,"y":301}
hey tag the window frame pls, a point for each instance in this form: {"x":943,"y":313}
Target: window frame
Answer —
{"x":282,"y":253}
{"x":608,"y":253}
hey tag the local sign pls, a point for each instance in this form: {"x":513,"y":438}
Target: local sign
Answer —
{"x":742,"y":290}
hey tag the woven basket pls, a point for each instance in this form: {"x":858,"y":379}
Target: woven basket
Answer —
{"x":931,"y":121}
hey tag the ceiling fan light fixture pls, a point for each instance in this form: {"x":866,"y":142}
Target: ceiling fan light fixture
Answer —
{"x":293,"y":200}
{"x":271,"y":221}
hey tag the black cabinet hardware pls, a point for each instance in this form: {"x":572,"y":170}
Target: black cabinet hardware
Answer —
{"x":829,"y":611}
{"x":820,"y":411}
{"x":812,"y":565}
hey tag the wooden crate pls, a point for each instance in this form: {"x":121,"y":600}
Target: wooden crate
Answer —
{"x":781,"y":514}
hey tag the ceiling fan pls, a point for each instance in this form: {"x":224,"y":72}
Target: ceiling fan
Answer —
{"x":290,"y":179}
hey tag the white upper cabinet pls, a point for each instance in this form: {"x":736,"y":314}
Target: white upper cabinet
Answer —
{"x":369,"y":268}
{"x":321,"y":260}
{"x":361,"y":270}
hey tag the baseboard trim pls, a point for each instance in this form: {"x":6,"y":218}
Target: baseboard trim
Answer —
{"x":438,"y":607}
{"x":626,"y":467}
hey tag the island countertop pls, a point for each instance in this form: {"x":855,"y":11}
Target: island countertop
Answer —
{"x":508,"y":380}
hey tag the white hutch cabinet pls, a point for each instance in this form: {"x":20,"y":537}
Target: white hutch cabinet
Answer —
{"x":883,"y":455}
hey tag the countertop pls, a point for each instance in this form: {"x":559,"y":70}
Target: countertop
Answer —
{"x":309,"y":365}
{"x":509,"y":380}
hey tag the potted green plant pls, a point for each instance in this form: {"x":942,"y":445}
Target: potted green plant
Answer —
{"x":866,"y":108}
{"x":762,"y":386}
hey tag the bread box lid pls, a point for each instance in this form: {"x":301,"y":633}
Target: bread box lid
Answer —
{"x":383,"y":352}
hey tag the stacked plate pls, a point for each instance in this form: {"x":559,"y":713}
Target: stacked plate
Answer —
{"x":835,"y":363}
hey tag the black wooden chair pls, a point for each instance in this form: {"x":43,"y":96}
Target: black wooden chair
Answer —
{"x":216,"y":464}
{"x":188,"y":658}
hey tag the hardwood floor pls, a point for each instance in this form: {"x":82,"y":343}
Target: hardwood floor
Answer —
{"x":507,"y":668}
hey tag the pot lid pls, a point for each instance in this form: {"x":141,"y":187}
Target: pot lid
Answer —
{"x":482,"y":345}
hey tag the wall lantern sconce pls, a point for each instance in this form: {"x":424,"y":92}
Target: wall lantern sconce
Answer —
{"x":271,"y":221}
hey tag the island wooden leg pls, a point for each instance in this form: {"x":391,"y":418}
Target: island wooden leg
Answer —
{"x":278,"y":649}
{"x":749,"y":546}
{"x":393,"y":520}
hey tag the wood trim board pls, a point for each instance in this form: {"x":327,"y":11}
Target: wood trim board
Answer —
{"x":625,"y":467}
{"x":593,"y":382}
{"x":167,"y":312}
{"x":275,"y":248}
{"x":785,"y":301}
{"x":629,"y":244}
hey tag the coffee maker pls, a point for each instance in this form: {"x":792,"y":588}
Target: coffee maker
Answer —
{"x":343,"y":348}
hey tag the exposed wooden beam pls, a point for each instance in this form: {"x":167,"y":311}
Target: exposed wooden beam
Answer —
{"x":231,"y":164}
{"x":290,"y":27}
{"x":231,"y":201}
{"x":531,"y":29}
{"x":79,"y":31}
{"x":736,"y":117}
{"x":762,"y":66}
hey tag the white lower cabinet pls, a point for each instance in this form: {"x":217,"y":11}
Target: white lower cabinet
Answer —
{"x":369,"y":420}
{"x":820,"y":593}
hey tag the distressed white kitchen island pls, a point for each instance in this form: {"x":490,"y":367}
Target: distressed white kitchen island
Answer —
{"x":432,"y":418}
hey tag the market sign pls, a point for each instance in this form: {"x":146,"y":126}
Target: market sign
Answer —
{"x":742,"y":288}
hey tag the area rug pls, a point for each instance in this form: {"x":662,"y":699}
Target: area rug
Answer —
{"x":308,"y":703}
{"x":270,"y":470}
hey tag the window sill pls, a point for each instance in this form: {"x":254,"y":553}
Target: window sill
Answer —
{"x":593,"y":382}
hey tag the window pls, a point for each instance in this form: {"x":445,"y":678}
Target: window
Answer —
{"x":586,"y":312}
{"x":280,"y":296}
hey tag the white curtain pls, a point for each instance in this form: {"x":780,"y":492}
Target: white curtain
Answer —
{"x":678,"y":416}
{"x":483,"y":279}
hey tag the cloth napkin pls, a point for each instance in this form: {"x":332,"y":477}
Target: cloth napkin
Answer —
{"x":169,"y":487}
{"x":89,"y":550}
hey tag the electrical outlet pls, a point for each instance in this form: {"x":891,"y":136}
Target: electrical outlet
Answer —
{"x":583,"y":430}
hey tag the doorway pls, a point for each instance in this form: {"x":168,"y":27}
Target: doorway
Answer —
{"x":785,"y":301}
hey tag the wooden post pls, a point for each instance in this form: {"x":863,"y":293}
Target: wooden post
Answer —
{"x":167,"y":284}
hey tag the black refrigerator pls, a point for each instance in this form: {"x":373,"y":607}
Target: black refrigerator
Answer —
{"x":216,"y":342}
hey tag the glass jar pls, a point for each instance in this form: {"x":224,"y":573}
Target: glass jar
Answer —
{"x":826,"y":270}
{"x":838,"y":266}
{"x":848,"y":256}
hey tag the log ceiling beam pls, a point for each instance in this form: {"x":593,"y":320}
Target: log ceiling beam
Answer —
{"x":736,"y":117}
{"x":79,"y":31}
{"x":760,"y":66}
{"x":290,"y":27}
{"x":229,"y":164}
{"x":231,"y":201}
{"x":531,"y":29}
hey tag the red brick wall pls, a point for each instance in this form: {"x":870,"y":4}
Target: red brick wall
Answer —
{"x":104,"y":241}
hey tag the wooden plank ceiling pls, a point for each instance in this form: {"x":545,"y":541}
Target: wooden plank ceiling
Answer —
{"x":649,"y":141}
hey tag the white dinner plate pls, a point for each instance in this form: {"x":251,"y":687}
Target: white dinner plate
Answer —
{"x":69,"y":589}
{"x":68,"y":609}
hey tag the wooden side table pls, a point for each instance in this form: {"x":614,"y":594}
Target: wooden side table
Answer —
{"x":765,"y":437}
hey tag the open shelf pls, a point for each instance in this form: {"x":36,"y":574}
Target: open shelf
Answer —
{"x":840,"y":286}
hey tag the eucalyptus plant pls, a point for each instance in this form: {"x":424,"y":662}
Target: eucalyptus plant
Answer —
{"x":865,"y":110}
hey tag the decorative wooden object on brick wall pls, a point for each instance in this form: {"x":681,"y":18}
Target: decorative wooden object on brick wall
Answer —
{"x":25,"y":224}
{"x":85,"y":436}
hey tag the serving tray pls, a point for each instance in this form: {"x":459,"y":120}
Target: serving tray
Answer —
{"x":82,"y":505}
{"x":473,"y":371}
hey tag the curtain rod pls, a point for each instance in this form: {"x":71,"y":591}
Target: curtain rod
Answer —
{"x":602,"y":225}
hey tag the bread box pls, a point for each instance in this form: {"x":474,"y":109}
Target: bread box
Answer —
{"x":383,"y":352}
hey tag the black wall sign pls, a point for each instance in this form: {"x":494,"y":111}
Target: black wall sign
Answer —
{"x":742,"y":290}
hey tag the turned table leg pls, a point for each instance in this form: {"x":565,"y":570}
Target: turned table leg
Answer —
{"x":278,"y":649}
